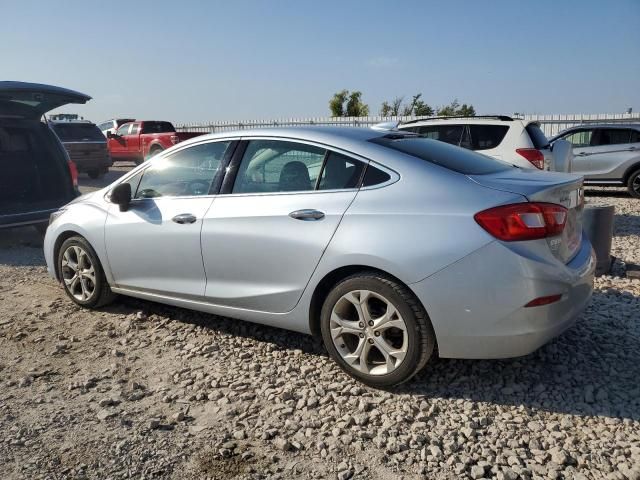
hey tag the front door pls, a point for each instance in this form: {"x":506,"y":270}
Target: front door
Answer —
{"x":262,"y":241}
{"x":118,"y":143}
{"x":155,"y":245}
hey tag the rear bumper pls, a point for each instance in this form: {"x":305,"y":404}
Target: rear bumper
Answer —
{"x":477,"y":304}
{"x":85,"y":164}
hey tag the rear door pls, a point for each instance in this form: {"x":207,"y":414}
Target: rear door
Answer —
{"x":133,"y":140}
{"x":262,"y":240}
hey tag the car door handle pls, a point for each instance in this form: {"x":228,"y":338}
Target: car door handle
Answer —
{"x":184,"y":218}
{"x":583,"y":154}
{"x":307,"y":214}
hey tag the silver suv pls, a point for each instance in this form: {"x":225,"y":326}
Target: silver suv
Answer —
{"x":606,"y":154}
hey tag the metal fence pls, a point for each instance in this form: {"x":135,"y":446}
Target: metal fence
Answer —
{"x":551,"y":124}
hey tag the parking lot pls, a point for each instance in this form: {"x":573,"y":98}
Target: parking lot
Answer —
{"x":139,"y":389}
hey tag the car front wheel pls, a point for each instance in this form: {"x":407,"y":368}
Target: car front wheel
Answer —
{"x":376,"y":329}
{"x":82,"y":275}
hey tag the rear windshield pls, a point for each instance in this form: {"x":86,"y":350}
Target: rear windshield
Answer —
{"x":537,"y":136}
{"x":78,"y":132}
{"x":454,"y":158}
{"x":157,"y":127}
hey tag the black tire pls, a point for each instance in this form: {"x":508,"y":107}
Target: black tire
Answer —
{"x":95,"y":174}
{"x":153,"y":152}
{"x":633,"y":184}
{"x":101,"y":293}
{"x":421,"y":339}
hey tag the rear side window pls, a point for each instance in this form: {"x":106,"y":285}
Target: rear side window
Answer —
{"x":374,"y":176}
{"x":340,"y":172}
{"x":157,"y":127}
{"x":440,"y":153}
{"x":635,"y":136}
{"x":537,"y":136}
{"x":485,"y":137}
{"x":78,"y":132}
{"x":445,"y":133}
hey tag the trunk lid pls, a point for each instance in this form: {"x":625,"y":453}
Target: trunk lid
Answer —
{"x":32,"y":100}
{"x":537,"y":186}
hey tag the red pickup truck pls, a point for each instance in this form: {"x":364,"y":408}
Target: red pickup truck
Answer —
{"x":139,"y":140}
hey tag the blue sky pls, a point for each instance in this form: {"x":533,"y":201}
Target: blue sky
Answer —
{"x":197,"y":60}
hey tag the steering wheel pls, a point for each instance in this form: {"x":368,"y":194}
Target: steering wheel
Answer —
{"x":198,"y":187}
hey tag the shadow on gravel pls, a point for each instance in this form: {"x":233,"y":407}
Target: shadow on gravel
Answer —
{"x":616,"y":193}
{"x":592,"y":369}
{"x":626,"y":225}
{"x":20,"y":247}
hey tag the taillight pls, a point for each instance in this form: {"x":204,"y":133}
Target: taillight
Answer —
{"x":174,"y":139}
{"x":540,"y":301}
{"x":73,"y":170}
{"x":534,"y":155}
{"x":523,"y":221}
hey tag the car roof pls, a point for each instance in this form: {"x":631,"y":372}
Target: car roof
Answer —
{"x":482,"y":120}
{"x":335,"y":136}
{"x":604,"y":125}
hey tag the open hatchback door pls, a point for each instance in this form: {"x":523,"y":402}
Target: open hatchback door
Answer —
{"x":36,"y":176}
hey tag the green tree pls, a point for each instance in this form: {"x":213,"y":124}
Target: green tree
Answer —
{"x":355,"y":106}
{"x":454,"y":109}
{"x":396,"y":107}
{"x":336,"y":104}
{"x":385,"y":109}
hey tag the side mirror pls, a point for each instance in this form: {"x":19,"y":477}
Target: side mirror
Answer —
{"x":121,"y":195}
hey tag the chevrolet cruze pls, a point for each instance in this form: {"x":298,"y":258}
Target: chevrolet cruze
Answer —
{"x":389,"y":245}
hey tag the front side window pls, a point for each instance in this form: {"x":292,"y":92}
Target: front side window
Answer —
{"x":579,"y":139}
{"x":188,"y":172}
{"x":612,"y":136}
{"x":278,"y":166}
{"x":124,"y":129}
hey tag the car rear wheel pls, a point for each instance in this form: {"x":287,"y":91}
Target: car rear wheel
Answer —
{"x":82,"y":275}
{"x":376,"y":329}
{"x":95,"y":174}
{"x":633,"y":184}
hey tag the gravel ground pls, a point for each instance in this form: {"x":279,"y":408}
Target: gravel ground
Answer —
{"x":140,"y":390}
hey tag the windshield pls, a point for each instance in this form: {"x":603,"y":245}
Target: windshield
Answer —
{"x":78,"y":132}
{"x":157,"y":127}
{"x":448,"y":156}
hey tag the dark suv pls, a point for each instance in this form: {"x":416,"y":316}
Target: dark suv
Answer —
{"x":86,"y":146}
{"x":36,"y":175}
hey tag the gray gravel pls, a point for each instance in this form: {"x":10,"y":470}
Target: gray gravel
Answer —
{"x":140,"y":390}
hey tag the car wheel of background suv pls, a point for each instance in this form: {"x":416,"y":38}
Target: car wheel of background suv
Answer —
{"x":82,"y":275}
{"x":633,"y":184}
{"x":376,"y":329}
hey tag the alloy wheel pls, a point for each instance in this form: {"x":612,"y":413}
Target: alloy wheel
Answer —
{"x":78,"y":273}
{"x":635,"y":185}
{"x":368,"y":332}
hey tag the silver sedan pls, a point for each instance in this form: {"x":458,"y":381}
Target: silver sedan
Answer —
{"x":388,"y":245}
